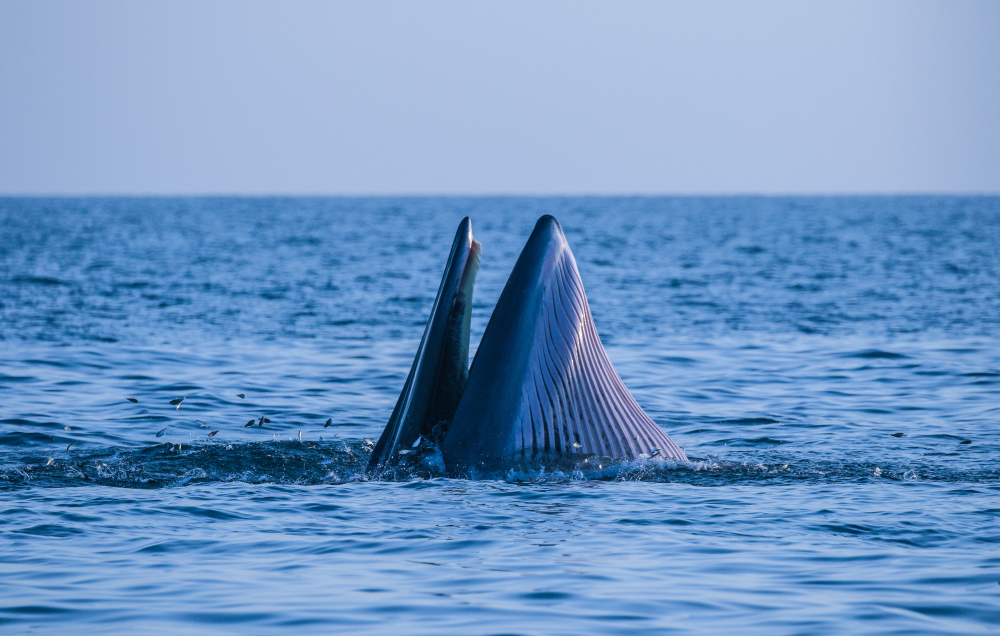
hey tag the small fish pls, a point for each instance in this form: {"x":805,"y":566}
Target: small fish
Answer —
{"x":405,"y":451}
{"x":162,"y":431}
{"x":250,"y":423}
{"x":178,"y":447}
{"x":896,"y":434}
{"x":267,"y":421}
{"x":51,"y":459}
{"x":368,"y":442}
{"x":966,"y":441}
{"x":328,"y":423}
{"x":420,"y":438}
{"x":240,"y":395}
{"x":70,"y":444}
{"x":177,"y":402}
{"x":213,"y":433}
{"x":132,"y":400}
{"x":300,"y":437}
{"x":577,"y":445}
{"x":66,"y":428}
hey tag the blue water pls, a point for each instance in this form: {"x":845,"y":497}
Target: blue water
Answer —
{"x":782,"y":340}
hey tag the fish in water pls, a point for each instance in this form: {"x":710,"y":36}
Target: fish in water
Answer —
{"x":213,"y":433}
{"x":328,"y":423}
{"x":51,"y":459}
{"x":540,"y":385}
{"x":250,"y":423}
{"x":263,"y":421}
{"x":132,"y":400}
{"x":896,"y":434}
{"x":177,"y":402}
{"x":161,"y":431}
{"x":70,"y":444}
{"x":240,"y":395}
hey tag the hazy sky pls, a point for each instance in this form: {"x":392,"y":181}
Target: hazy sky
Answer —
{"x":511,"y":97}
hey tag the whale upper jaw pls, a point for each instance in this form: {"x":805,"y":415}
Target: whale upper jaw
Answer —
{"x":440,"y":369}
{"x":541,"y":385}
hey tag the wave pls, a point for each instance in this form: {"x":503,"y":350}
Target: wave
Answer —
{"x":343,"y":461}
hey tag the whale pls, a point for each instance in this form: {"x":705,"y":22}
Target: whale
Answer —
{"x":540,"y":388}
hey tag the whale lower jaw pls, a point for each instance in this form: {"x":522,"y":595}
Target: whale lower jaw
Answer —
{"x":541,"y":386}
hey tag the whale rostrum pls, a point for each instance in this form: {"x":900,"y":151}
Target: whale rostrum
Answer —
{"x":440,"y":369}
{"x":540,"y":386}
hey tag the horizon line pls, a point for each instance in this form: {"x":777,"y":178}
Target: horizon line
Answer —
{"x":490,"y":195}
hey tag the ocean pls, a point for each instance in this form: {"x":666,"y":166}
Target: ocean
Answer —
{"x":831,"y":365}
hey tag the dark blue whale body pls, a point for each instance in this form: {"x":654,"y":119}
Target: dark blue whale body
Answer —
{"x":541,"y":386}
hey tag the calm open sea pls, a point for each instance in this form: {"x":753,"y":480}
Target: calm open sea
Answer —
{"x":831,"y":364}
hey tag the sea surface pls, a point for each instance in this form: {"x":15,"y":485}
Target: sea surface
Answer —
{"x":832,"y":366}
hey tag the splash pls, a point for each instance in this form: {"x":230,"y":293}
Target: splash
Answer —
{"x":344,"y":461}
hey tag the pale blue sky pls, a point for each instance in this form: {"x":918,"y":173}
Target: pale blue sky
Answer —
{"x":499,"y":97}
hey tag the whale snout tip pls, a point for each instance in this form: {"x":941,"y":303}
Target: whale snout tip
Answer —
{"x":465,"y":227}
{"x":548,"y":232}
{"x":548,"y":222}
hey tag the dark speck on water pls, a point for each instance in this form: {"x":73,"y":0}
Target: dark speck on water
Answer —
{"x":776,"y":339}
